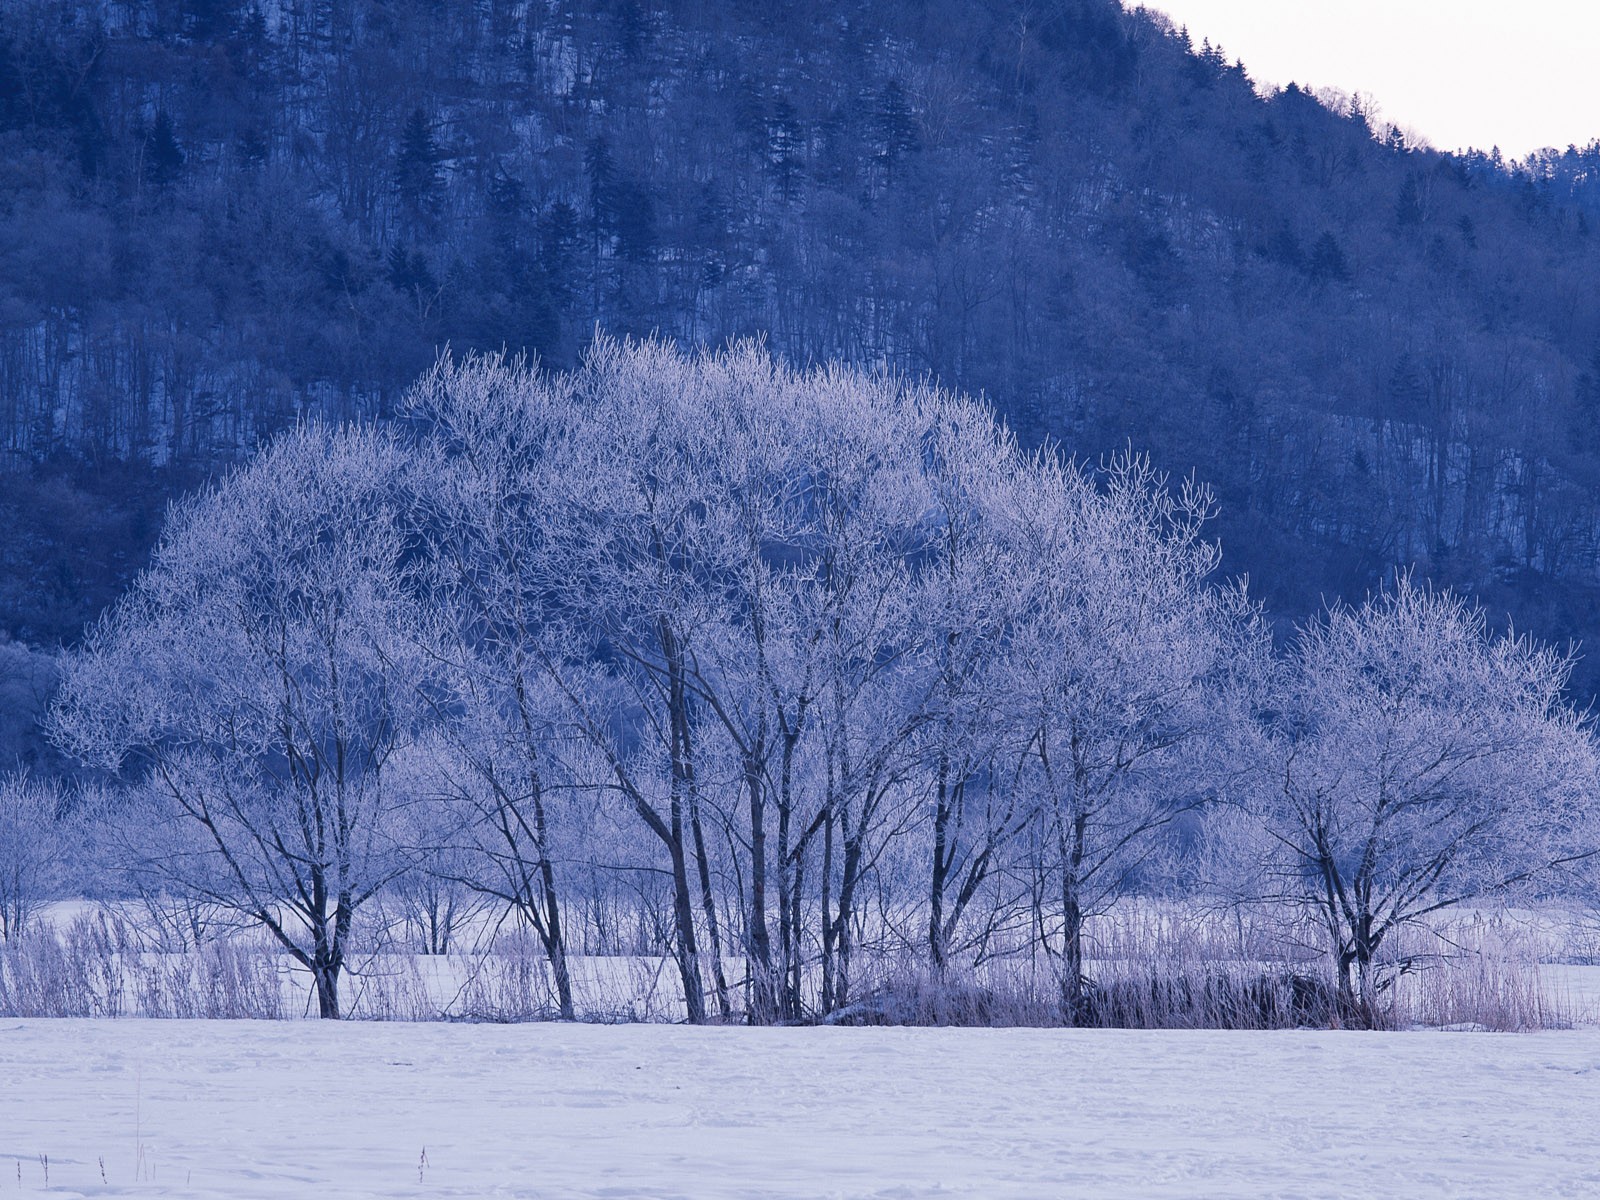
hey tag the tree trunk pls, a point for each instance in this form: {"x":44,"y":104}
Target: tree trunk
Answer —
{"x":1074,"y":997}
{"x":549,"y":924}
{"x":828,"y":1001}
{"x":763,"y":987}
{"x":683,"y":795}
{"x":943,"y":857}
{"x":327,"y":945}
{"x":1074,"y":1000}
{"x":555,"y":945}
{"x":1357,"y":984}
{"x":709,"y":904}
{"x":790,"y":878}
{"x":327,"y":957}
{"x":326,"y":980}
{"x":688,"y":954}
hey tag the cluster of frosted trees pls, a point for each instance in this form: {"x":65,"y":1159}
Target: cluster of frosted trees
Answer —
{"x":772,"y":667}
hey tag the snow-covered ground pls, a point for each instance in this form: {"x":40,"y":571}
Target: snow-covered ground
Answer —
{"x":300,"y":1109}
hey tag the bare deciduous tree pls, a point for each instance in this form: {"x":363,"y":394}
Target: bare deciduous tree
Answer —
{"x":1112,"y":678}
{"x":1416,"y":763}
{"x":260,"y":675}
{"x":36,"y":842}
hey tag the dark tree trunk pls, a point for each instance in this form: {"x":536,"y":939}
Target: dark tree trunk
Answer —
{"x":1074,"y":997}
{"x":828,"y":1000}
{"x":943,"y":857}
{"x":685,"y":944}
{"x":682,"y":785}
{"x":555,"y":944}
{"x":326,"y":979}
{"x":763,"y":988}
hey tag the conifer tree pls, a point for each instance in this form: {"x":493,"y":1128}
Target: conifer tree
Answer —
{"x":417,"y":172}
{"x":163,"y":157}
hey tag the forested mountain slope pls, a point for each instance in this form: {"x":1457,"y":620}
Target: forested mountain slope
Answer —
{"x":216,"y":217}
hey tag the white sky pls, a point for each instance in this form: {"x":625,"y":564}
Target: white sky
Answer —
{"x":1520,"y":74}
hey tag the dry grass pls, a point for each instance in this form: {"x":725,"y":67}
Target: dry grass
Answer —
{"x":1150,"y":966}
{"x":99,"y":966}
{"x":1179,"y":966}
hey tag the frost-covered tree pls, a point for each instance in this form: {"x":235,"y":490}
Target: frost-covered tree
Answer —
{"x":37,"y":839}
{"x":753,"y":671}
{"x":1415,"y":762}
{"x":813,"y":667}
{"x":261,"y":675}
{"x":972,"y":597}
{"x":807,"y":621}
{"x":1113,"y":681}
{"x":497,"y":509}
{"x":435,"y":906}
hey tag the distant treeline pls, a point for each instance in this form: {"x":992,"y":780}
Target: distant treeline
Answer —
{"x":220,"y":216}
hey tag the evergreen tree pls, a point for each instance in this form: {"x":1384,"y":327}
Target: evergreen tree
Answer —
{"x":1583,"y":430}
{"x":209,"y":20}
{"x":1327,"y":263}
{"x":1408,"y":207}
{"x":163,"y":157}
{"x":785,"y":148}
{"x":249,"y":45}
{"x":600,"y":170}
{"x":507,"y":196}
{"x":560,"y":238}
{"x":896,"y":128}
{"x":633,"y":28}
{"x":418,"y":180}
{"x":410,"y":275}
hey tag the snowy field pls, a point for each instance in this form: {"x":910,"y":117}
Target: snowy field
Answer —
{"x":301,"y":1109}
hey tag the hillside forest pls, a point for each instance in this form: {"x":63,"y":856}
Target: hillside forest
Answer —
{"x":221,"y":217}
